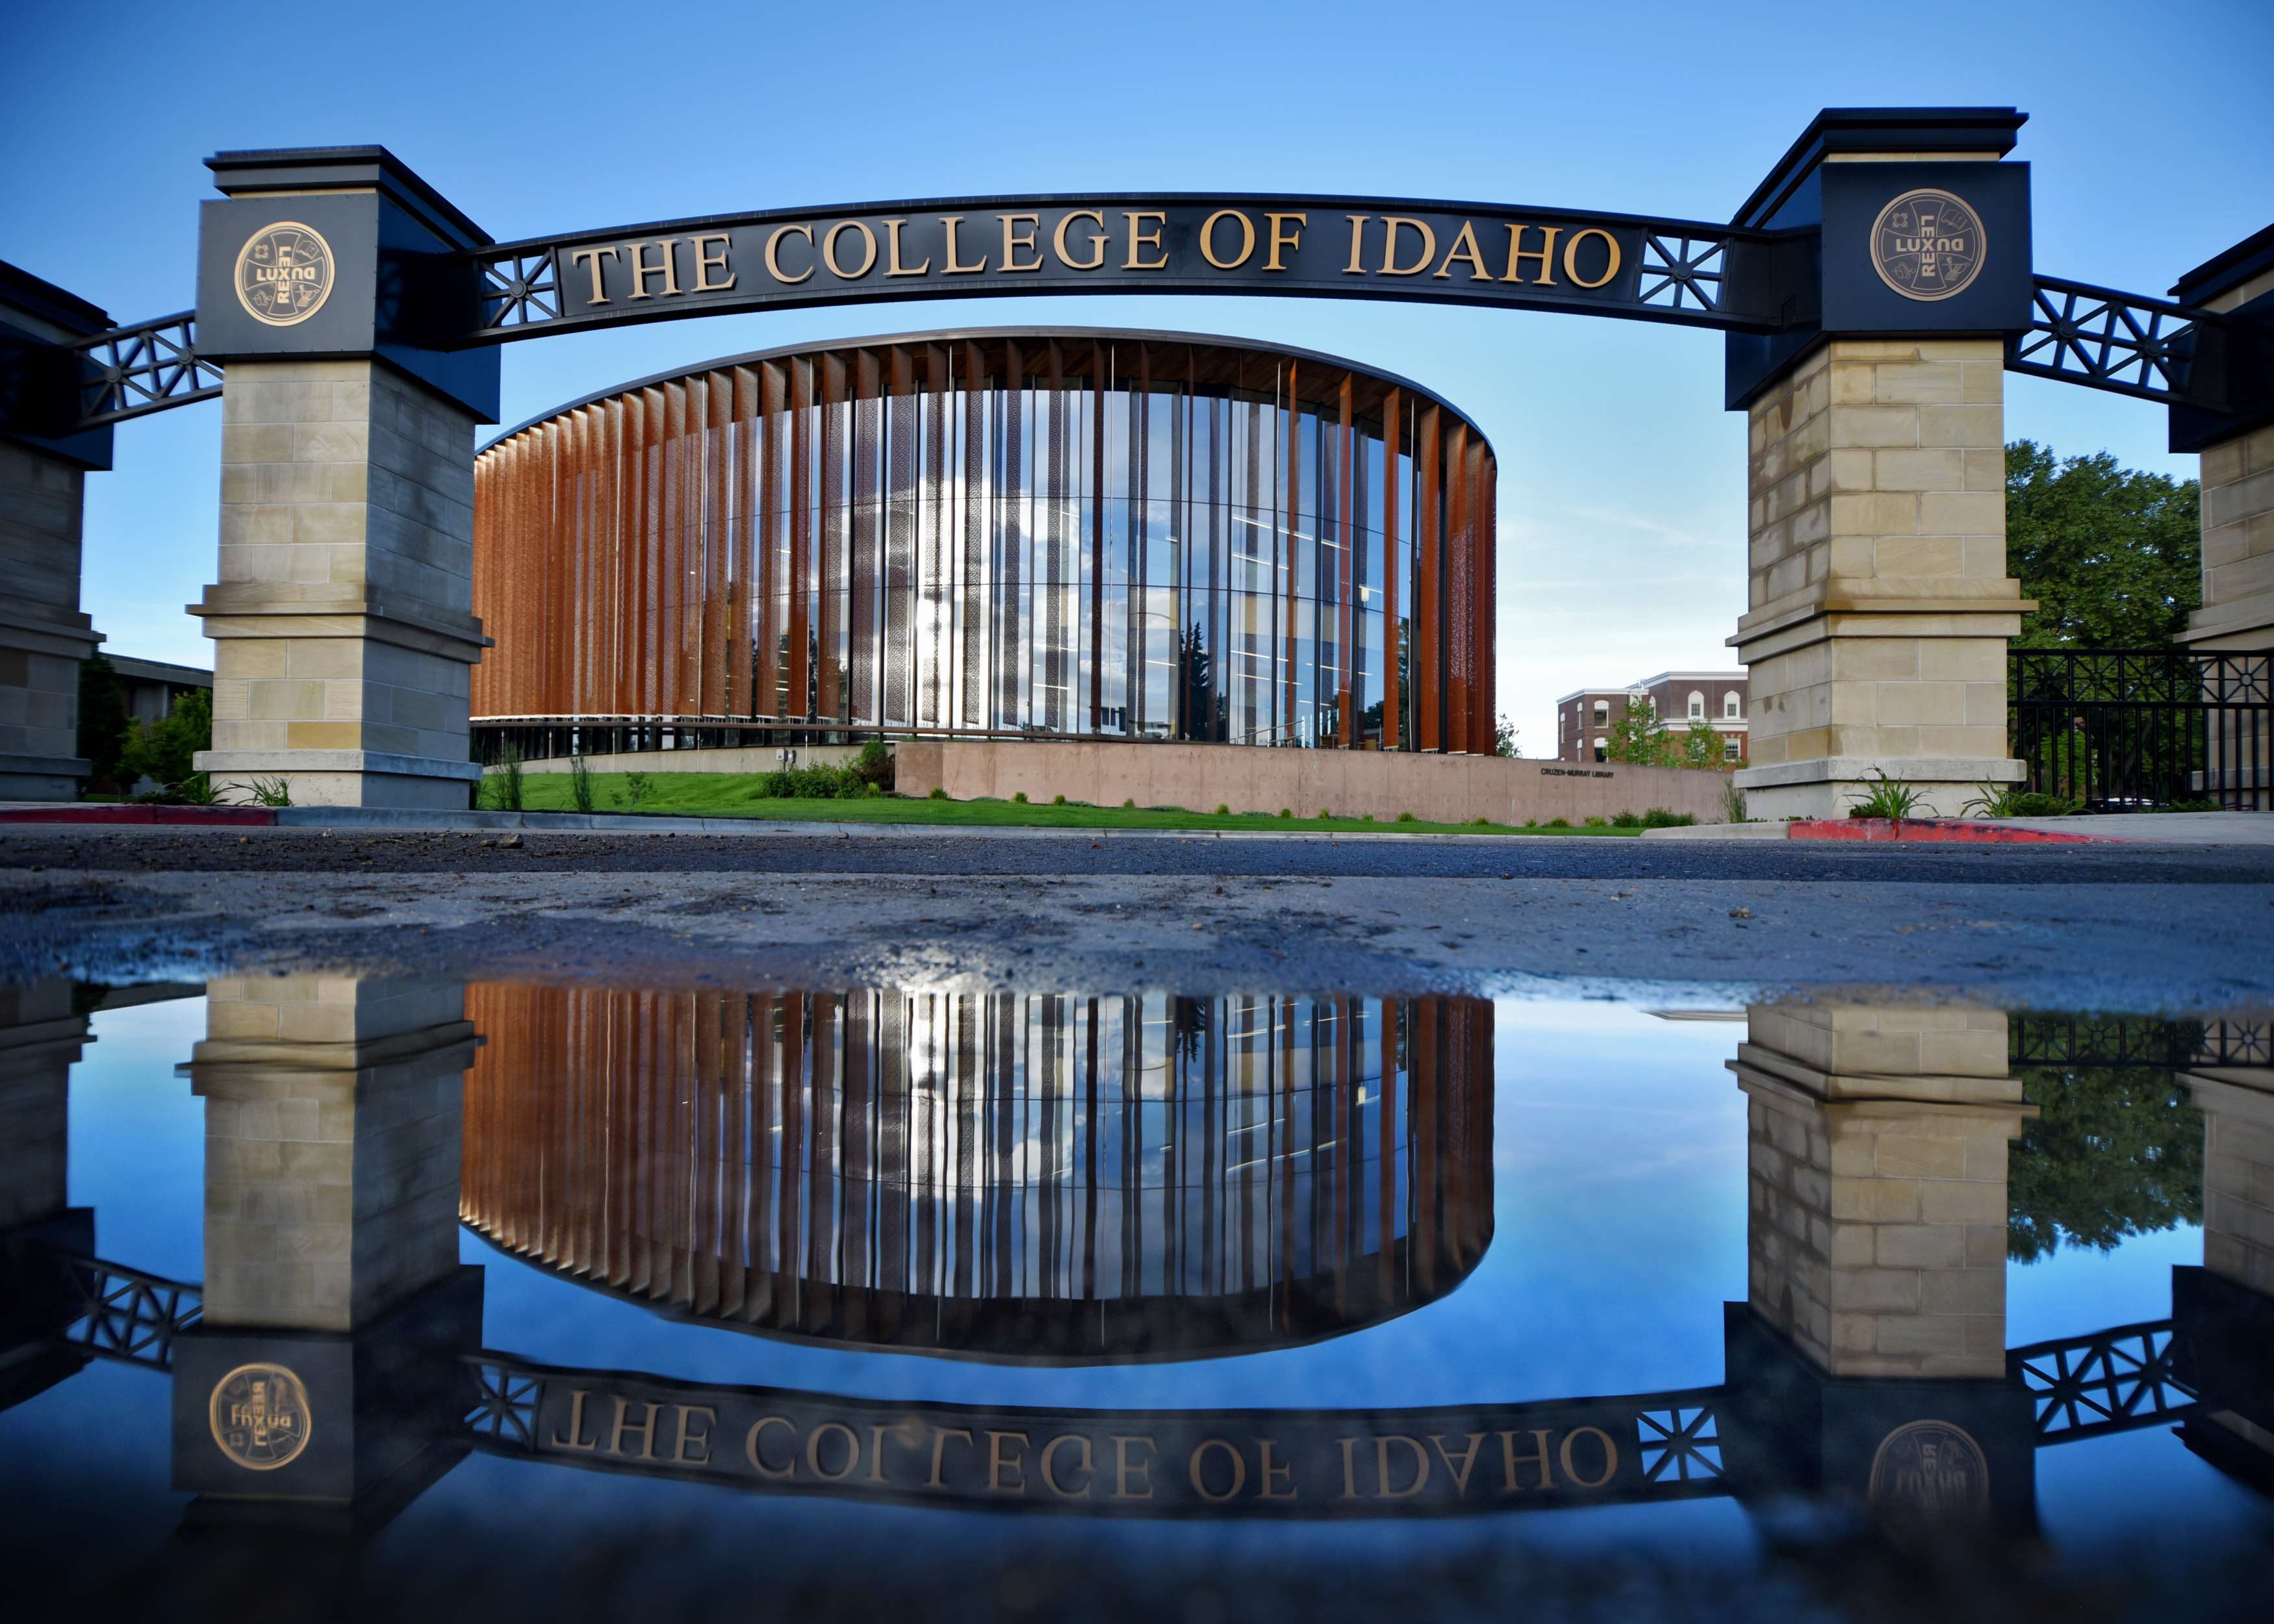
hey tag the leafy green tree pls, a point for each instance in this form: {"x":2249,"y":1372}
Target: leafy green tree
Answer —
{"x":2115,"y":1152}
{"x":1701,"y":747}
{"x":2112,"y":555}
{"x":1640,"y":738}
{"x":104,"y":728}
{"x":1504,"y":737}
{"x":161,"y":750}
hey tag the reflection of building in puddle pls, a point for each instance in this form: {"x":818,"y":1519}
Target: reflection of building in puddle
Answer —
{"x":1041,"y":1177}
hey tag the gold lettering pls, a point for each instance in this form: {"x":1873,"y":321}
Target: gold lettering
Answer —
{"x":574,"y":1439}
{"x":1517,"y":253}
{"x":1013,"y":240}
{"x":1144,"y":239}
{"x":1199,"y":1481}
{"x":867,"y":251}
{"x":1392,"y":224}
{"x":773,"y":254}
{"x":1610,"y":1448}
{"x":684,"y":1438}
{"x":1538,"y":1457}
{"x":706,"y":263}
{"x":641,"y":270}
{"x":1357,"y":244}
{"x":1473,"y":254}
{"x":581,"y":256}
{"x":1123,"y":1468}
{"x":998,"y":1463}
{"x":939,"y":1437}
{"x":1246,"y":239}
{"x":1571,"y":251}
{"x":1050,"y":1471}
{"x":1350,"y":1470}
{"x":876,"y":1432}
{"x":757,"y":1458}
{"x":1467,"y":1463}
{"x":1381,"y":1489}
{"x":1283,"y":238}
{"x":953,"y":269}
{"x":892,"y":266}
{"x":1096,"y":244}
{"x":1270,"y":1472}
{"x":813,"y":1451}
{"x":646,"y":1430}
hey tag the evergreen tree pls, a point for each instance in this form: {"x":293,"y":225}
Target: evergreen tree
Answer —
{"x":104,"y":728}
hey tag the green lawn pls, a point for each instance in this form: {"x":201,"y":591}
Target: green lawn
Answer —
{"x":726,"y":795}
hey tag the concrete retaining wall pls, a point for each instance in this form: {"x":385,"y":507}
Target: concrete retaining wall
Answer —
{"x":1348,"y":783}
{"x":726,"y":758}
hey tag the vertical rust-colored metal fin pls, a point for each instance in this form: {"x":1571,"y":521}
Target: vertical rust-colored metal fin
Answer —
{"x":748,"y":423}
{"x":1428,"y":530}
{"x":800,"y":537}
{"x":1291,"y":521}
{"x":971,"y":614}
{"x":1459,"y":560}
{"x":1484,"y":655}
{"x":828,"y":544}
{"x":1393,"y":691}
{"x":718,"y":539}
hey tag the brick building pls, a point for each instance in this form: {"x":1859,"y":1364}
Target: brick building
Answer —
{"x":1720,"y":699}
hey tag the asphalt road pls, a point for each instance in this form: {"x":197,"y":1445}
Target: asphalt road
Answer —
{"x":2116,"y":928}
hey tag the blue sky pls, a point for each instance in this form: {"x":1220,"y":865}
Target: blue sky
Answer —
{"x":1622,"y":479}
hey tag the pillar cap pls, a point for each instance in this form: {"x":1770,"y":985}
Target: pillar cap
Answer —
{"x":246,"y":174}
{"x":2226,"y":269}
{"x":1843,"y":130}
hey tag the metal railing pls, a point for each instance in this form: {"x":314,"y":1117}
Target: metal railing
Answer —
{"x":2121,"y":729}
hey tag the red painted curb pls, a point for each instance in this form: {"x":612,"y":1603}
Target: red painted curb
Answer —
{"x":1948,"y":830}
{"x":235,"y":817}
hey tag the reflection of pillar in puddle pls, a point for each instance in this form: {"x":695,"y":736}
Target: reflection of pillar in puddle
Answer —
{"x":2222,"y":1314}
{"x":1877,"y":1138}
{"x":1869,"y":1363}
{"x":335,"y":1303}
{"x":41,"y":1036}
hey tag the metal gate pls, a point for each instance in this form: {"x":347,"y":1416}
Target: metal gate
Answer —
{"x":2135,"y":728}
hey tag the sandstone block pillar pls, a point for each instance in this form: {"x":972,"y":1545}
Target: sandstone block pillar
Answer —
{"x":330,"y":284}
{"x":1876,"y":1231}
{"x":44,"y":469}
{"x":342,"y":621}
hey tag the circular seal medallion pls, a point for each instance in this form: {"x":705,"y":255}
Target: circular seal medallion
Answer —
{"x":259,"y":1416}
{"x":283,"y":272}
{"x":1928,"y":245}
{"x":1929,"y":1474}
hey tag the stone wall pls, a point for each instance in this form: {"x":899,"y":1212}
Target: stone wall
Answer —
{"x":1348,"y":783}
{"x":1880,"y":604}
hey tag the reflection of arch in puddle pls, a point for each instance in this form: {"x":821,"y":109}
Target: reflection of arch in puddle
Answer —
{"x":1039,"y":1176}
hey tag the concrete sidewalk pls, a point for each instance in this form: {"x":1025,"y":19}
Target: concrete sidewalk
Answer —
{"x":2128,"y":828}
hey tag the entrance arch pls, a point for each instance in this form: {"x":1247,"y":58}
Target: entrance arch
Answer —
{"x":1872,"y":290}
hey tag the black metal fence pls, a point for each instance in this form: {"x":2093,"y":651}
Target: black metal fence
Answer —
{"x":2132,"y":728}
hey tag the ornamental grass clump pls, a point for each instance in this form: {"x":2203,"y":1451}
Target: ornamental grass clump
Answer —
{"x":1886,"y":799}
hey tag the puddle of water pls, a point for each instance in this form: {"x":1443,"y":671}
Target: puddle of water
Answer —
{"x":496,"y":1300}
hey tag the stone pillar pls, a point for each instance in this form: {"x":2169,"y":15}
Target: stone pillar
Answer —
{"x":1881,"y":605}
{"x":342,"y":622}
{"x":2238,"y":1108}
{"x":343,"y":617}
{"x":1876,"y":1236}
{"x":44,"y":469}
{"x":41,"y":1035}
{"x":1878,"y":607}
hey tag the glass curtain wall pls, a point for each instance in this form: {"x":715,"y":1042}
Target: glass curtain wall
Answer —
{"x":1006,"y":536}
{"x":1043,"y":1173}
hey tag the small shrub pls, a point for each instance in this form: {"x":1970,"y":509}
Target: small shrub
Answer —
{"x":2202,"y":805}
{"x":939,"y":793}
{"x":1222,"y":810}
{"x":271,"y":792}
{"x":1129,"y":803}
{"x":580,"y":783}
{"x":1627,"y":820}
{"x":1886,"y":799}
{"x":503,"y":785}
{"x":1480,"y":823}
{"x":1598,"y":822}
{"x":197,"y":790}
{"x":1558,"y":822}
{"x":1368,"y":818}
{"x":1659,"y":817}
{"x":1057,"y":800}
{"x":2008,"y":801}
{"x":1323,"y":813}
{"x":1407,"y":817}
{"x":638,"y":787}
{"x":1019,"y":799}
{"x":1733,"y":802}
{"x":873,"y":766}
